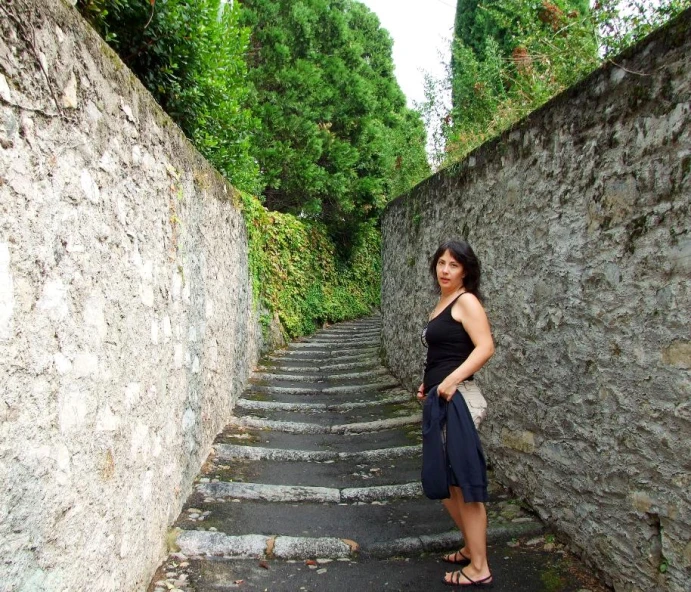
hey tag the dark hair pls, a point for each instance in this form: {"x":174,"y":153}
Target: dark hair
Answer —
{"x":463,"y":253}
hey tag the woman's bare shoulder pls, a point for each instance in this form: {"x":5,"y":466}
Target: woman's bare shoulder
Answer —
{"x":468,"y":300}
{"x":467,"y":305}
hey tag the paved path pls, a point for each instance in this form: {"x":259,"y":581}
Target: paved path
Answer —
{"x":314,"y":485}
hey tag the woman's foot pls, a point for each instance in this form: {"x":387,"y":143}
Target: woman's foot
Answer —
{"x":460,"y":579}
{"x":457,"y":558}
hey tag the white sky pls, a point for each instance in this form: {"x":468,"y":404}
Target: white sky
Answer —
{"x":421,"y":30}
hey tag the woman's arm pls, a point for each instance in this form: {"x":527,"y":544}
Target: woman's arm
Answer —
{"x":469,"y":311}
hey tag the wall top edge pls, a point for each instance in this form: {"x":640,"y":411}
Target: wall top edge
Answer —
{"x":671,"y":35}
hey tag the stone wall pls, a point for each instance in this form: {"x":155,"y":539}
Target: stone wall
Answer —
{"x":581,"y":218}
{"x":126,"y":324}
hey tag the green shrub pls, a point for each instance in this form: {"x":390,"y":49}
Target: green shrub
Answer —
{"x":297,"y":274}
{"x":190,"y":54}
{"x":509,"y":57}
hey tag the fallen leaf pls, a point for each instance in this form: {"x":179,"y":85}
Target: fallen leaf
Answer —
{"x":310,"y":562}
{"x":264,"y":564}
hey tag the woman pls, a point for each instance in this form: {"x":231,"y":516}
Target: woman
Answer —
{"x":459,"y":343}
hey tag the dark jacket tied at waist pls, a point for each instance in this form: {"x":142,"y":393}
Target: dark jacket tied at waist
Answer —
{"x":451,"y":450}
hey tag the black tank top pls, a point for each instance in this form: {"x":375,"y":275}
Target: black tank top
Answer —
{"x":448,"y":346}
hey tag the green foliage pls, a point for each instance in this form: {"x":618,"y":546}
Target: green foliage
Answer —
{"x":296,"y":274}
{"x":623,"y":22}
{"x":511,"y":56}
{"x":336,"y":141}
{"x":322,"y":117}
{"x":190,"y":54}
{"x":532,"y":51}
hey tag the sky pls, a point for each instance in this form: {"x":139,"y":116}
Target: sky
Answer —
{"x":421,"y":30}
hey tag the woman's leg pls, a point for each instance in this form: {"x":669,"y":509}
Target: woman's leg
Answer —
{"x":473,"y":517}
{"x":452,"y":507}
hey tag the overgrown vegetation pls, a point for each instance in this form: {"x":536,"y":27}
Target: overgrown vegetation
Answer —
{"x":296,"y":274}
{"x":336,"y":140}
{"x":190,"y":54}
{"x":511,"y":56}
{"x":316,"y":127}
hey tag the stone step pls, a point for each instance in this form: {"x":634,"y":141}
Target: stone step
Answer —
{"x":234,"y":452}
{"x":327,"y":353}
{"x":299,"y":366}
{"x":372,"y":322}
{"x":195,"y":544}
{"x":394,"y":397}
{"x":330,"y":344}
{"x":360,"y":414}
{"x":516,"y":567}
{"x":341,"y":349}
{"x":222,"y":491}
{"x":322,"y":359}
{"x":380,"y":528}
{"x":315,"y":428}
{"x":354,"y":388}
{"x":199,"y":543}
{"x":340,"y":377}
{"x":378,"y":468}
{"x":347,"y":443}
{"x":364,"y":522}
{"x":346,"y":333}
{"x":356,"y":335}
{"x":331,"y":398}
{"x":359,"y":380}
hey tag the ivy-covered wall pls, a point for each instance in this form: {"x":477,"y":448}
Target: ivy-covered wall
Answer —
{"x":297,"y":278}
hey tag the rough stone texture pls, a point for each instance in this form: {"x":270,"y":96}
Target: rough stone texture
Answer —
{"x":126,"y":330}
{"x":580,"y":216}
{"x":199,"y":542}
{"x":299,"y":547}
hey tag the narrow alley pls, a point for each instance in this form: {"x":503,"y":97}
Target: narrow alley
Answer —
{"x":315,"y":485}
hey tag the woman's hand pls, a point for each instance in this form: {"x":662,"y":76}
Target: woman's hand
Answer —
{"x":421,"y":393}
{"x":447,"y":388}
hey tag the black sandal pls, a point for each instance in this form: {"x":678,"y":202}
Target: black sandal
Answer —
{"x":455,"y":580}
{"x":453,"y":558}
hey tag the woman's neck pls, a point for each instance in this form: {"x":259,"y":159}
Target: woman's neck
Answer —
{"x":451,"y":292}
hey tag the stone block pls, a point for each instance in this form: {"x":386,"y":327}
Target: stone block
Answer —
{"x":678,"y":354}
{"x":523,"y":441}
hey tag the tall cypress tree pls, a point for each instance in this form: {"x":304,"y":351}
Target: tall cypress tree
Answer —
{"x":337,"y":141}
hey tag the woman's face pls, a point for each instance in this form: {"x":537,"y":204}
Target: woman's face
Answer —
{"x":449,"y":273}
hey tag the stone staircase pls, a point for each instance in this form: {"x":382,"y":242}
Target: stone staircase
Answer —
{"x":319,"y":467}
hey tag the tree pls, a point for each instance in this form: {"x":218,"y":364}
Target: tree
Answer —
{"x":190,"y":54}
{"x":511,"y":56}
{"x":518,"y":31}
{"x":337,"y":141}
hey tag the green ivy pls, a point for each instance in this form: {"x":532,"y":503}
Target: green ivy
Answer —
{"x":297,"y":275}
{"x":509,"y":57}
